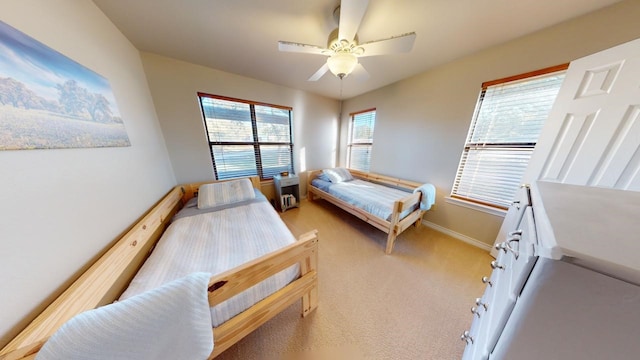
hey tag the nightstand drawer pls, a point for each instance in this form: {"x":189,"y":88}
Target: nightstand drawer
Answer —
{"x":288,"y":181}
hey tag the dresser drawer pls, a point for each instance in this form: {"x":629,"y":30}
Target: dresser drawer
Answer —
{"x":502,"y":302}
{"x":514,"y":264}
{"x":490,"y":313}
{"x":523,"y":244}
{"x":521,"y":203}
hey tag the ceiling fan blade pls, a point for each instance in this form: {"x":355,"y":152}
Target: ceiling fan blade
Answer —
{"x":351,"y":14}
{"x":302,"y":48}
{"x":360,"y":73}
{"x":318,"y":74}
{"x":396,"y":44}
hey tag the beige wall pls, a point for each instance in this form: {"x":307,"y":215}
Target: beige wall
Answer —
{"x":174,"y":86}
{"x":422,"y":122}
{"x":60,"y":208}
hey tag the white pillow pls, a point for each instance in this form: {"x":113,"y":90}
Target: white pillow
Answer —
{"x":223,"y":193}
{"x":338,"y":175}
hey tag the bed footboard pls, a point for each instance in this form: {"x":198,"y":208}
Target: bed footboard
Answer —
{"x":397,"y":225}
{"x":226,"y":285}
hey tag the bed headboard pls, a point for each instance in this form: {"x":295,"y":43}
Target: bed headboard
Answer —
{"x":191,"y":190}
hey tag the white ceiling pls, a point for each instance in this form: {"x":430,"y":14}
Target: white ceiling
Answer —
{"x":241,"y":36}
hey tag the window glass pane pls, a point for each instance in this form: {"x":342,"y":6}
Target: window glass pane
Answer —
{"x":506,"y":125}
{"x":491,"y":175}
{"x":363,"y":125}
{"x":227,"y":120}
{"x":236,"y":152}
{"x":361,"y":140}
{"x":275,"y":159}
{"x":273,"y":124}
{"x":360,"y":157}
{"x":234,"y":161}
{"x":515,"y":112}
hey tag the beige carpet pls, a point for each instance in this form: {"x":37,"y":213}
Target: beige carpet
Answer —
{"x":413,"y":304}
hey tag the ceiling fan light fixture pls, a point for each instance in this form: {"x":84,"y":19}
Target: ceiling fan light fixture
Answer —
{"x":342,"y":64}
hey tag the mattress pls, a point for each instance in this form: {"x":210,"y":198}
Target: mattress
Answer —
{"x":373,"y":198}
{"x":215,"y":241}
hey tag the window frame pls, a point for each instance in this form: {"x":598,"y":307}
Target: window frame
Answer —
{"x":468,"y":145}
{"x":256,"y":143}
{"x":351,"y":143}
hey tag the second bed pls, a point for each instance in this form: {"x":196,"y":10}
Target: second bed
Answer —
{"x":390,"y":204}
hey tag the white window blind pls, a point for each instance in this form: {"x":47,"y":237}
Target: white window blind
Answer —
{"x":247,"y":138}
{"x":361,"y":140}
{"x":503,"y":133}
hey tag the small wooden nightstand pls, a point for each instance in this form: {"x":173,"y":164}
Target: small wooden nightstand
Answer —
{"x":287,"y":191}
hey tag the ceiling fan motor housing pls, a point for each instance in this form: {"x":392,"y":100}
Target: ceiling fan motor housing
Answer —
{"x":342,"y":45}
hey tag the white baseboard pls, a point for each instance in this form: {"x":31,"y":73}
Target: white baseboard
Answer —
{"x":457,"y":235}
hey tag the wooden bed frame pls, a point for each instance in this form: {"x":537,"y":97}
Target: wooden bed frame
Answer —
{"x":109,"y":276}
{"x":395,"y":226}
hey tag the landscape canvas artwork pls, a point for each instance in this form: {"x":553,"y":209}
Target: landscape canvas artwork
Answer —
{"x":48,"y":101}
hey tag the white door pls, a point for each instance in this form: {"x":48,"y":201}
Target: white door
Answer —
{"x":592,"y":135}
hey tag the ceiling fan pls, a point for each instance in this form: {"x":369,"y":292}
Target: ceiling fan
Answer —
{"x":343,"y":49}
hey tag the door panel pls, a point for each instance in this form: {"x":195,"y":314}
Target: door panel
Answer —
{"x":593,"y":133}
{"x":623,"y":147}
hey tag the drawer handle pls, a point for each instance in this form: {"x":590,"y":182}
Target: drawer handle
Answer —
{"x":501,"y":246}
{"x":506,"y":246}
{"x":515,"y":253}
{"x":474,"y":311}
{"x":496,"y":265}
{"x":466,"y":337}
{"x":515,"y":233}
{"x":527,"y":188}
{"x":486,"y":280}
{"x":480,"y":303}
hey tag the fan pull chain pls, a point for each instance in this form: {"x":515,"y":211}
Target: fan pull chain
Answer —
{"x":340,"y":113}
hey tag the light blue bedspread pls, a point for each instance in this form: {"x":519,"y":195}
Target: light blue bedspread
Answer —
{"x":373,"y":198}
{"x":215,"y":242}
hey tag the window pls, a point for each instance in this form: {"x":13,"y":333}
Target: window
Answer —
{"x":361,"y":139}
{"x":247,"y":138}
{"x":504,"y":130}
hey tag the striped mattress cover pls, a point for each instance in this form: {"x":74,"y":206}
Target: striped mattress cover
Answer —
{"x":214,"y":242}
{"x":373,"y":198}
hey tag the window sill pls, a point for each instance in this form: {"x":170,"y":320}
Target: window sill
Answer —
{"x":474,"y":206}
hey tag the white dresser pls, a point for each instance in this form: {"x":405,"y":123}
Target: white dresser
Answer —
{"x":565,"y":282}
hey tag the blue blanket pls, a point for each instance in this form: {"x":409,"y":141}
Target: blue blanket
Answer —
{"x":428,"y":196}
